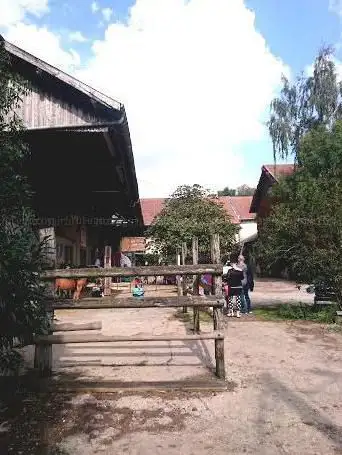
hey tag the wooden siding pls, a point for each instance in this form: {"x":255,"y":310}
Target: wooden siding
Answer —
{"x":40,"y":110}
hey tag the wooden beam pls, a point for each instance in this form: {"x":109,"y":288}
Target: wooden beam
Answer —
{"x":107,"y":265}
{"x":169,"y":270}
{"x":216,"y":259}
{"x":105,"y":386}
{"x":71,"y":327}
{"x":133,"y":302}
{"x":99,"y":338}
{"x":184,"y":254}
{"x":195,"y":280}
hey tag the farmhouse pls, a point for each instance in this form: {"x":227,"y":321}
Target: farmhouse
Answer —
{"x":81,"y":166}
{"x":237,"y":208}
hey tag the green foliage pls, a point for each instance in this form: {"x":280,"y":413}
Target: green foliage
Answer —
{"x":227,"y":192}
{"x":191,"y":212}
{"x":243,"y":190}
{"x":304,"y":230}
{"x":21,"y":296}
{"x":305,"y":104}
{"x":325,"y":315}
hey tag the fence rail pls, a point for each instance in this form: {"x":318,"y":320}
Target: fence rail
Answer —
{"x":118,"y":272}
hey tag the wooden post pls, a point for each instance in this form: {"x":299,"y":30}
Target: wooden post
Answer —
{"x":184,"y":251}
{"x":217,"y":317}
{"x":43,"y":359}
{"x":48,"y":236}
{"x":216,"y":259}
{"x":195,"y":286}
{"x":219,"y":345}
{"x":178,"y":278}
{"x":107,"y":265}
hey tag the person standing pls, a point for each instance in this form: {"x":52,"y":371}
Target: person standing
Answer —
{"x":247,"y":284}
{"x":234,"y":280}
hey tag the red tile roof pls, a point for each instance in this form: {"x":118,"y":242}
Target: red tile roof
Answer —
{"x":236,"y":206}
{"x":279,"y":170}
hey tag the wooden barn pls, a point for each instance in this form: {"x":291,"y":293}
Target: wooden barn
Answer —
{"x":81,"y":166}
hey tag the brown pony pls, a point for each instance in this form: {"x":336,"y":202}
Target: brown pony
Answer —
{"x":68,"y":284}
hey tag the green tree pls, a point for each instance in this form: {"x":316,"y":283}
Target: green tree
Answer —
{"x":304,"y":230}
{"x":305,"y":104}
{"x":227,"y":192}
{"x":191,"y":211}
{"x":245,"y":190}
{"x":22,"y":311}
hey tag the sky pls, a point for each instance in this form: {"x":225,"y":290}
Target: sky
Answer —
{"x":196,"y":76}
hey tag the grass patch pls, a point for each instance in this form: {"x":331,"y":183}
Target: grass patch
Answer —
{"x":188,"y":317}
{"x":303,"y":312}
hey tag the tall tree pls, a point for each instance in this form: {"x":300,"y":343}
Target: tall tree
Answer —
{"x":191,"y":211}
{"x":305,"y":104}
{"x":304,"y":230}
{"x":245,"y":190}
{"x":227,"y":192}
{"x":22,"y":310}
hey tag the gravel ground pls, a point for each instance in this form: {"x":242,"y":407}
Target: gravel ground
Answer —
{"x":284,"y":394}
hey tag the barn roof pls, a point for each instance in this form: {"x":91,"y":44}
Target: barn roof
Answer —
{"x":236,"y":206}
{"x":59,"y":106}
{"x":270,"y":174}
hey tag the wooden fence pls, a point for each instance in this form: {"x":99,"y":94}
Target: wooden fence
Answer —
{"x":43,"y":351}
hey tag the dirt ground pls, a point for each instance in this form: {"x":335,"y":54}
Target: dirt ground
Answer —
{"x":284,"y":392}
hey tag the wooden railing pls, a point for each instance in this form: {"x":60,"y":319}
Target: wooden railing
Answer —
{"x":43,"y":353}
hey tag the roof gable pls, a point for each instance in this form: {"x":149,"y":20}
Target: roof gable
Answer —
{"x":237,"y":208}
{"x":57,"y":99}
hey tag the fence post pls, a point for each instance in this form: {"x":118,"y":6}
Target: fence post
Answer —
{"x":217,"y":318}
{"x":178,"y":278}
{"x":107,"y":265}
{"x":184,"y":281}
{"x":195,"y":279}
{"x":216,"y":259}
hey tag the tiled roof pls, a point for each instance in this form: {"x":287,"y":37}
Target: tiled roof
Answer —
{"x":236,"y":206}
{"x":279,"y":170}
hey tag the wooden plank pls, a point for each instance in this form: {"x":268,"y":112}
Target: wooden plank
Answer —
{"x":193,"y":385}
{"x":132,"y":302}
{"x":71,"y":327}
{"x":66,"y":338}
{"x":169,"y":270}
{"x":216,"y":259}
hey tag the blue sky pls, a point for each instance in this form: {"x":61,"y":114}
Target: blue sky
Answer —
{"x":196,"y":76}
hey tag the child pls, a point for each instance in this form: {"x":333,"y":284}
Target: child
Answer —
{"x":138,"y":289}
{"x":234,"y":278}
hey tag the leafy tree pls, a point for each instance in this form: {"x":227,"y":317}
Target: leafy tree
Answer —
{"x":304,"y":230}
{"x":191,"y":211}
{"x":21,"y":297}
{"x":245,"y":190}
{"x":305,"y":104}
{"x":227,"y":192}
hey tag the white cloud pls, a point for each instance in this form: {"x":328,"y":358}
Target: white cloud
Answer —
{"x":196,"y":79}
{"x":43,"y":44}
{"x":335,"y":6}
{"x":95,"y":7}
{"x":13,"y":11}
{"x":107,"y":13}
{"x":77,"y":36}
